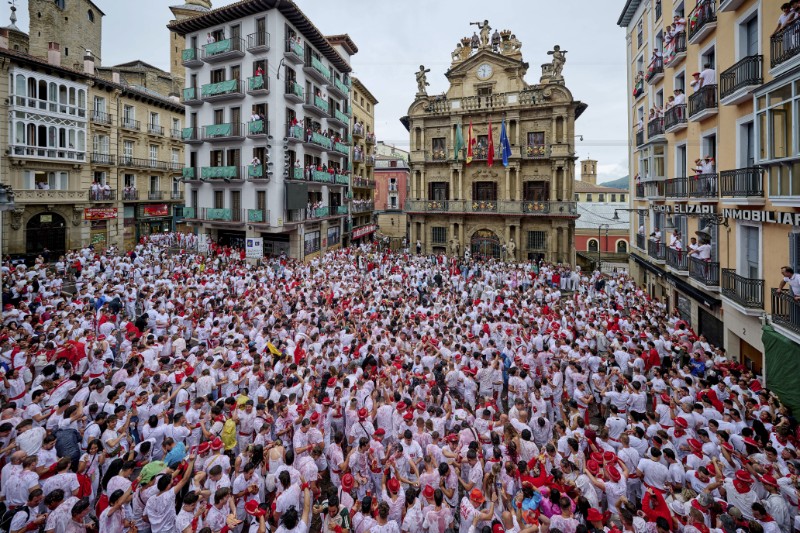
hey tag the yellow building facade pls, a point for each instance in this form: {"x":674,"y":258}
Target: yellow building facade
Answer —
{"x":521,"y":211}
{"x":362,"y":203}
{"x":715,"y":156}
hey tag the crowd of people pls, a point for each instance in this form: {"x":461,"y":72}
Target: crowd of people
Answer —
{"x":371,"y":391}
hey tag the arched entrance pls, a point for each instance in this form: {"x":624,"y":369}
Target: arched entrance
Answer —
{"x":46,"y":230}
{"x":485,"y":245}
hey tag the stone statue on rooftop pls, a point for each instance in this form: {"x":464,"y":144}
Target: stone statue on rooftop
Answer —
{"x":559,"y":58}
{"x":422,"y":81}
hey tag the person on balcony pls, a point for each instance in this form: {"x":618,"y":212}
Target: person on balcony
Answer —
{"x":678,"y":24}
{"x":703,"y":251}
{"x":95,"y":191}
{"x":256,"y":161}
{"x":210,"y":39}
{"x":788,"y":15}
{"x":255,"y":116}
{"x":680,"y":97}
{"x":656,"y":235}
{"x":708,"y":76}
{"x":106,"y":188}
{"x":259,"y":71}
{"x":793,"y":280}
{"x":695,"y":84}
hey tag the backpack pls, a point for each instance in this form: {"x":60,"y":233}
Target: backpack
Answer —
{"x":8,"y":517}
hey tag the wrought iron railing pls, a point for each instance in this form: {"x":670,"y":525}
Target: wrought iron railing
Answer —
{"x":742,"y":182}
{"x":705,"y":272}
{"x":703,"y":100}
{"x":747,"y":292}
{"x":785,"y":310}
{"x":744,"y":73}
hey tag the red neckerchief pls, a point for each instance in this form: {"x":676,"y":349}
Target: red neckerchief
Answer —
{"x":741,"y":487}
{"x":701,"y":526}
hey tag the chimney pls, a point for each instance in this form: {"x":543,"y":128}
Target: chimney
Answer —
{"x":3,"y":38}
{"x":54,"y":54}
{"x":88,"y":63}
{"x":115,"y":77}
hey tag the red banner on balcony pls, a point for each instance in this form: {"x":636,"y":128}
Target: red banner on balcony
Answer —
{"x":157,"y":210}
{"x":95,"y":213}
{"x":364,"y":230}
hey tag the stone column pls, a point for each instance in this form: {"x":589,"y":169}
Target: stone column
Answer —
{"x":422,"y":191}
{"x":460,"y":193}
{"x":565,"y":132}
{"x":559,"y":244}
{"x":565,"y":245}
{"x":464,"y":243}
{"x":453,"y":182}
{"x":518,"y":179}
{"x":507,"y":191}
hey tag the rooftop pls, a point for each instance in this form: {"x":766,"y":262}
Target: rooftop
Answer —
{"x":593,"y":214}
{"x":245,"y":8}
{"x":584,"y":186}
{"x":362,"y":88}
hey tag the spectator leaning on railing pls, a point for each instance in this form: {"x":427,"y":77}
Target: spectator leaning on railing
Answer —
{"x":793,"y":280}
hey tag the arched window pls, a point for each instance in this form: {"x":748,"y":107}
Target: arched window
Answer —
{"x":21,"y":88}
{"x":592,"y":245}
{"x":42,"y":96}
{"x":19,"y":137}
{"x":53,"y":97}
{"x":622,"y":247}
{"x":90,"y":15}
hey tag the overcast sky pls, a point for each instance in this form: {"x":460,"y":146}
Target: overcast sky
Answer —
{"x":395,"y":37}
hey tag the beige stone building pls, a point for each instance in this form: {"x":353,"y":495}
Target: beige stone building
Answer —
{"x":93,"y":152}
{"x":362,"y":204}
{"x":525,"y":209}
{"x":71,"y":26}
{"x":177,"y":45}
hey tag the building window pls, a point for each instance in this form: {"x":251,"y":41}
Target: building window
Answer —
{"x":749,"y":259}
{"x":536,"y":191}
{"x":153,"y":153}
{"x":537,"y":240}
{"x":622,"y":247}
{"x":334,"y":236}
{"x":61,"y":4}
{"x":589,"y":197}
{"x":794,"y":251}
{"x":484,"y":191}
{"x":438,"y":191}
{"x":312,"y":242}
{"x":127,"y":152}
{"x":35,"y":179}
{"x":393,"y":202}
{"x":640,"y":33}
{"x":130,"y":181}
{"x":613,"y":198}
{"x":219,"y":199}
{"x":592,"y":245}
{"x":577,"y":197}
{"x":601,"y":197}
{"x":90,"y":15}
{"x":621,"y":197}
{"x":439,"y":234}
{"x":154,"y":184}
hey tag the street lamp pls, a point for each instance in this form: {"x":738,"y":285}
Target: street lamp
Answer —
{"x":599,"y":247}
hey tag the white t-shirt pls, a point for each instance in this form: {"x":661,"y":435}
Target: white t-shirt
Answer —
{"x":708,"y":77}
{"x":794,"y":283}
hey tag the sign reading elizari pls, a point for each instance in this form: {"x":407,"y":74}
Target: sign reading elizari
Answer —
{"x":687,"y":209}
{"x":771,"y":217}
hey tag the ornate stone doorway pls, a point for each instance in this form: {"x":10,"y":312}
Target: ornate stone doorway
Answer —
{"x":485,"y":244}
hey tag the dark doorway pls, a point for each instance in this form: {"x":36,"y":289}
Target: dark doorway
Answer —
{"x":46,"y":230}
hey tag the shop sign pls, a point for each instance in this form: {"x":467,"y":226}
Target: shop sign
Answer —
{"x":363,"y":230}
{"x":685,"y":209}
{"x":770,"y":217}
{"x":96,"y":213}
{"x":157,"y":210}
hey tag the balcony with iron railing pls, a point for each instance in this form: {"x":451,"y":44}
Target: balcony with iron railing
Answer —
{"x":190,"y":57}
{"x":101,"y":118}
{"x":318,"y":140}
{"x":785,"y":48}
{"x":316,"y":105}
{"x":293,"y":92}
{"x":226,"y":216}
{"x":785,"y":310}
{"x":737,"y":83}
{"x":481,"y":153}
{"x":155,"y":129}
{"x":102,"y":159}
{"x":702,"y":186}
{"x":746,"y":292}
{"x":295,"y":133}
{"x":155,"y":195}
{"x":654,"y":189}
{"x":341,"y":179}
{"x":655,"y":71}
{"x":338,"y":88}
{"x":703,"y":103}
{"x":655,"y":128}
{"x":675,"y":118}
{"x":293,"y":51}
{"x":702,"y":21}
{"x":656,"y":250}
{"x":258,"y":42}
{"x":675,"y":50}
{"x":639,"y":137}
{"x":359,"y":182}
{"x":257,"y":128}
{"x":230,"y":131}
{"x":190,"y":174}
{"x":258,"y":216}
{"x":358,"y":156}
{"x":226,"y":173}
{"x":191,"y":135}
{"x":191,"y":96}
{"x":316,"y":70}
{"x":745,"y":185}
{"x":223,"y":50}
{"x":640,"y":241}
{"x":257,"y":172}
{"x":338,"y":119}
{"x":176,"y":196}
{"x":258,"y":85}
{"x":130,"y":194}
{"x":531,"y":207}
{"x":370,"y":138}
{"x":130,"y":124}
{"x":321,"y":176}
{"x":176,"y":134}
{"x":370,"y":161}
{"x":102,"y":195}
{"x":362,"y":206}
{"x":341,"y":148}
{"x":223,"y":90}
{"x":677,"y":189}
{"x":704,"y":272}
{"x":678,"y":260}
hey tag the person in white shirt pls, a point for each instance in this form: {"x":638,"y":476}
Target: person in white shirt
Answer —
{"x":793,"y":280}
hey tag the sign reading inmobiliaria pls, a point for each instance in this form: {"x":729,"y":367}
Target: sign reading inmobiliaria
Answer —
{"x":98,"y":213}
{"x":771,"y":217}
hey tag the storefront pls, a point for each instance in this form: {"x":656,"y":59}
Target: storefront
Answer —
{"x":334,"y":237}
{"x":154,"y":218}
{"x":363,"y":232}
{"x":276,"y":244}
{"x":98,"y":219}
{"x":234,"y":239}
